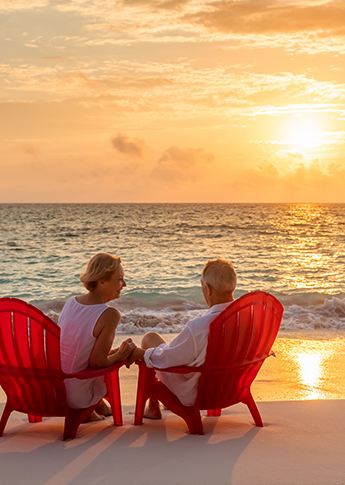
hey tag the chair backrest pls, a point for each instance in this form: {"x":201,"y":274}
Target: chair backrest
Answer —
{"x":240,"y":338}
{"x":30,"y":368}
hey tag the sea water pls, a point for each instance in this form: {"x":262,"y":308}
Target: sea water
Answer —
{"x":294,"y":251}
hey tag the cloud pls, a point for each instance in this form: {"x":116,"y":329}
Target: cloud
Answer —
{"x":314,"y":26}
{"x":144,"y":82}
{"x":291,"y":155}
{"x":31,"y":150}
{"x":10,"y":5}
{"x":175,"y":156}
{"x":181,"y":164}
{"x":157,"y":4}
{"x":57,"y":58}
{"x":267,"y":16}
{"x":132,"y":148}
{"x":156,"y":88}
{"x":298,"y":176}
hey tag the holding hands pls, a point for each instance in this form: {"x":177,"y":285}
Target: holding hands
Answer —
{"x":125,"y":349}
{"x":137,"y":354}
{"x":128,"y":352}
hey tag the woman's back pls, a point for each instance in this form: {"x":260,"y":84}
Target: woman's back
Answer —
{"x":77,"y":322}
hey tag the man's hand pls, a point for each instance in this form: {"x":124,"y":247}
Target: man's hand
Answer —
{"x":125,"y":349}
{"x":137,"y":354}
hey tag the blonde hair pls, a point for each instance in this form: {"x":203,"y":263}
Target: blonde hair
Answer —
{"x":100,"y":267}
{"x":221,"y":275}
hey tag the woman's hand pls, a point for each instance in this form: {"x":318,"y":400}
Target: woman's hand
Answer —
{"x":137,"y":354}
{"x":125,"y":349}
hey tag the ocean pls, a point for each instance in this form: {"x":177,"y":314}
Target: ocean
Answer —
{"x":294,"y":251}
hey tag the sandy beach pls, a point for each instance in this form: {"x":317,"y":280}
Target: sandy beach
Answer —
{"x":302,"y":441}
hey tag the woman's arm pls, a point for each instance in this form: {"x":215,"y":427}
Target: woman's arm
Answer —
{"x":104,"y":331}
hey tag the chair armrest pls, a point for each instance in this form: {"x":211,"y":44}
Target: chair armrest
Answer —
{"x":185,"y":369}
{"x":91,"y":373}
{"x":181,"y":369}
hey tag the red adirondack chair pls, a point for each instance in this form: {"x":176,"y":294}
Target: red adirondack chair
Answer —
{"x":239,"y":341}
{"x":30,"y":369}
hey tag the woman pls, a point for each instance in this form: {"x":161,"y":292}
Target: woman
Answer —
{"x":88,"y":328}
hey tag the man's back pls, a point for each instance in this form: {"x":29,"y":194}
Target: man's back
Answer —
{"x":188,"y":348}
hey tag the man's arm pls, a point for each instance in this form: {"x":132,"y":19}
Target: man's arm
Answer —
{"x":181,"y":351}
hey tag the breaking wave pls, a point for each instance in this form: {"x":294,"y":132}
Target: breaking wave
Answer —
{"x":301,"y":312}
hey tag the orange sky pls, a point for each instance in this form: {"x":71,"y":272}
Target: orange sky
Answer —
{"x":172,"y":101}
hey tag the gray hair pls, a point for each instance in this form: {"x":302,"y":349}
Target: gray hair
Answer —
{"x":221,"y":275}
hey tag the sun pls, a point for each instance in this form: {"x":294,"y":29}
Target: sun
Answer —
{"x":304,"y":133}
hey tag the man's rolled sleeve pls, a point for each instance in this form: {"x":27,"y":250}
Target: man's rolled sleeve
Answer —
{"x":149,"y":352}
{"x":181,"y":351}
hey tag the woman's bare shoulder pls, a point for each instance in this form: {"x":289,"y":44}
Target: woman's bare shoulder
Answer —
{"x":108,"y":321}
{"x":110,"y":316}
{"x":112,"y":312}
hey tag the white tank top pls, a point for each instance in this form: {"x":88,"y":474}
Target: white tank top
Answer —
{"x":77,"y":322}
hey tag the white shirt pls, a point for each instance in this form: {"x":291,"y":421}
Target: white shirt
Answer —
{"x":188,"y":348}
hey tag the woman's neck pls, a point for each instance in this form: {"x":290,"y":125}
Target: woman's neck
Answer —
{"x":92,"y":298}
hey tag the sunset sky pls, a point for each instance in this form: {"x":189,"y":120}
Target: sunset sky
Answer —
{"x":172,"y":101}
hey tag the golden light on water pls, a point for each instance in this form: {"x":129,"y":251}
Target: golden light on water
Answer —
{"x":310,"y":374}
{"x":306,"y":255}
{"x":311,"y":360}
{"x":304,"y":369}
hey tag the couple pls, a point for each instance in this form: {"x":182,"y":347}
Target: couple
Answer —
{"x":88,"y":329}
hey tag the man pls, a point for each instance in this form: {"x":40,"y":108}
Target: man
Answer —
{"x":218,"y":282}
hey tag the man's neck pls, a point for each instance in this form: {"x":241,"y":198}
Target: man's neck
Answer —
{"x":217,"y":299}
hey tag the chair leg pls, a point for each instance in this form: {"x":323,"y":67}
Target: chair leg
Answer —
{"x":149,"y":387}
{"x":4,"y":418}
{"x":73,"y":419}
{"x":193,"y":420}
{"x":191,"y":414}
{"x":214,"y":412}
{"x":114,"y":396}
{"x":145,"y":379}
{"x":249,"y":401}
{"x":34,"y":419}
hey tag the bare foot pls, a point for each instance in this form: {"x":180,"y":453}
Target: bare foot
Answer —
{"x":152,"y":410}
{"x":104,"y":408}
{"x":93,"y":417}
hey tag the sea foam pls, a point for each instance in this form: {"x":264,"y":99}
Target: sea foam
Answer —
{"x":325,"y":314}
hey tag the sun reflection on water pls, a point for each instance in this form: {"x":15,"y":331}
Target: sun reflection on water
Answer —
{"x":310,"y":374}
{"x":312,"y":367}
{"x":305,"y":252}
